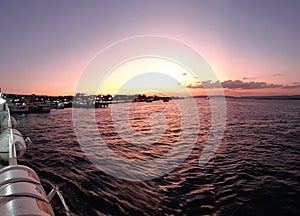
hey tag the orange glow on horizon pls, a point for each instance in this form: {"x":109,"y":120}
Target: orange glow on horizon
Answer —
{"x":147,"y":75}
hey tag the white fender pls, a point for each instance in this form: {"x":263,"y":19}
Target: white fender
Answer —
{"x":19,"y":143}
{"x":13,"y":122}
{"x":4,"y":122}
{"x":18,"y":140}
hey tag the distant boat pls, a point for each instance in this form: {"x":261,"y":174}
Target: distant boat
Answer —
{"x":39,"y":107}
{"x":207,"y":98}
{"x":149,"y":99}
{"x":166,"y":99}
{"x":18,"y":106}
{"x":57,"y":105}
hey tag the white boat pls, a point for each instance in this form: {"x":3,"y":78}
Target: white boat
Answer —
{"x":57,"y":105}
{"x":40,"y":107}
{"x":21,"y":191}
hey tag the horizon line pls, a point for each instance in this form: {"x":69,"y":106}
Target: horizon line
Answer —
{"x":250,"y":96}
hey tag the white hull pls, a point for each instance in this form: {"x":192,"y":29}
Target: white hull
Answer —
{"x":4,"y":157}
{"x":21,"y":191}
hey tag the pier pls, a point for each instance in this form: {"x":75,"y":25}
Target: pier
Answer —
{"x":43,"y":104}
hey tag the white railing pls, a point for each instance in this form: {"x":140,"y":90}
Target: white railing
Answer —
{"x":11,"y":146}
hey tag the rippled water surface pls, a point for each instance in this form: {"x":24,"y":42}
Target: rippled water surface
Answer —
{"x":255,"y":170}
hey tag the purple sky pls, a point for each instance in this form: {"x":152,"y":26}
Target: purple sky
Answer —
{"x":44,"y":45}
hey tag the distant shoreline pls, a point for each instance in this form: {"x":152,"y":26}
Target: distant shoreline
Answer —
{"x":279,"y":97}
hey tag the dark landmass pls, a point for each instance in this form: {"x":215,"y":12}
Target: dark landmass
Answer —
{"x":279,"y":97}
{"x":139,"y":97}
{"x":39,"y":103}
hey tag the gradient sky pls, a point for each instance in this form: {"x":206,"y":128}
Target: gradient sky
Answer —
{"x":253,"y":46}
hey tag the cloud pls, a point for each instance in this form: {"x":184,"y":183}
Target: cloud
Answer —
{"x":294,"y":86}
{"x":195,"y":86}
{"x":234,"y":84}
{"x":205,"y":84}
{"x":238,"y":84}
{"x":279,"y":74}
{"x":241,"y":85}
{"x":249,"y":78}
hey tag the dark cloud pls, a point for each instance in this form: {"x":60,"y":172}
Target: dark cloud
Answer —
{"x":295,"y":85}
{"x":279,"y":74}
{"x":238,"y":84}
{"x":205,"y":84}
{"x":210,"y":84}
{"x":249,"y":78}
{"x":195,"y":86}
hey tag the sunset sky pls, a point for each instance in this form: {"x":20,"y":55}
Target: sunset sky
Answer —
{"x":253,"y":46}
